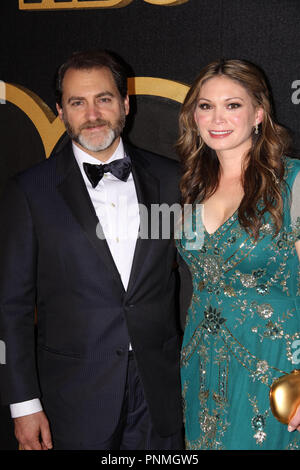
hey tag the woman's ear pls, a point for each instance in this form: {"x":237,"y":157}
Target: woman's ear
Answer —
{"x":259,"y":115}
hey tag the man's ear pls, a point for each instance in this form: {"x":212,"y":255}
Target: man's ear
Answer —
{"x":60,"y":111}
{"x":126,"y":105}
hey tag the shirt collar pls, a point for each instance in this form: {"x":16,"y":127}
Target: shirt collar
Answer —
{"x":82,"y":156}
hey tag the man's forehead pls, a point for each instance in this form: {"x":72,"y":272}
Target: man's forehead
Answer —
{"x":89,"y":77}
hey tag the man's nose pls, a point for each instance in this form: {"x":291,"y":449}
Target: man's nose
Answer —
{"x":92,"y":112}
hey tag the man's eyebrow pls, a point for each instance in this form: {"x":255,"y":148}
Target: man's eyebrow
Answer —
{"x":105,"y":93}
{"x":75,"y":98}
{"x":99,"y":95}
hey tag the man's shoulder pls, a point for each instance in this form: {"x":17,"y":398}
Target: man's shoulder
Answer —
{"x":43,"y":172}
{"x":37,"y":174}
{"x":37,"y":169}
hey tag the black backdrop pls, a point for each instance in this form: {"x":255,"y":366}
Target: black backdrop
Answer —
{"x":171,"y":42}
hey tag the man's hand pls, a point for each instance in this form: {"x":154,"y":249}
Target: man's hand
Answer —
{"x":33,"y":432}
{"x":295,"y":421}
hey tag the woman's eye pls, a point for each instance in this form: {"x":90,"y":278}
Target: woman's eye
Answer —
{"x":234,"y":105}
{"x":204,"y":106}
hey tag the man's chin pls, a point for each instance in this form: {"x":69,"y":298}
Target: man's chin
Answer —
{"x":96,"y":147}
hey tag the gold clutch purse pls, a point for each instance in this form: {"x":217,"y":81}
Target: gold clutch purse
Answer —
{"x":285,"y":396}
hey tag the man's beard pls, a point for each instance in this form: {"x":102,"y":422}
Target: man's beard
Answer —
{"x":110,"y":134}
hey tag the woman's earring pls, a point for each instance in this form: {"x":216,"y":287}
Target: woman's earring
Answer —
{"x":256,"y":128}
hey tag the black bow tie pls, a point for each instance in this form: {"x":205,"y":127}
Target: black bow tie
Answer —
{"x":119,"y":168}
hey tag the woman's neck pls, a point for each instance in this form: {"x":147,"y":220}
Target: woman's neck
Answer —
{"x":231,"y":164}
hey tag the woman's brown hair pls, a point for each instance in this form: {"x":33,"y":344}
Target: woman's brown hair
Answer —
{"x":263,"y":170}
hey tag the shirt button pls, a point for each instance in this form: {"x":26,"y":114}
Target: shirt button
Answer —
{"x":120,"y":352}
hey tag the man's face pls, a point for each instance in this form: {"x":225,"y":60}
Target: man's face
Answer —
{"x":93,"y":111}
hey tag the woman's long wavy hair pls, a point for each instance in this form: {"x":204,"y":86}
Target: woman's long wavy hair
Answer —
{"x":263,"y":169}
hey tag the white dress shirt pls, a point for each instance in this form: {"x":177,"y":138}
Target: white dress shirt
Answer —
{"x":116,"y":206}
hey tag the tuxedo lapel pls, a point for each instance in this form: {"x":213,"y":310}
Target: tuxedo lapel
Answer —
{"x":75,"y":193}
{"x":147,"y":189}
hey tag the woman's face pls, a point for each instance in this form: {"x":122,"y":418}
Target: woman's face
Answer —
{"x":225,"y":115}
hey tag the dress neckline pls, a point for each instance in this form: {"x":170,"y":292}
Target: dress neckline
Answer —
{"x":230,"y":219}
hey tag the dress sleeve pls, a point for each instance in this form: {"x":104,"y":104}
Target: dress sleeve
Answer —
{"x":295,"y":207}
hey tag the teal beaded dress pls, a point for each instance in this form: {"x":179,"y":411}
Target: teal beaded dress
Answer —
{"x":242,"y":330}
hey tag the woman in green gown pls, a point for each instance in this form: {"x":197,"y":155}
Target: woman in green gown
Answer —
{"x":243,"y":324}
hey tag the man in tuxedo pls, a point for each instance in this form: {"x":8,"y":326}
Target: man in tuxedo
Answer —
{"x":102,"y":370}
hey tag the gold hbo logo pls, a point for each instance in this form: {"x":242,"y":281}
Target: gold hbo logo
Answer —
{"x":85,"y":4}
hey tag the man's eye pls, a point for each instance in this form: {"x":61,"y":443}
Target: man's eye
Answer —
{"x":76,"y":103}
{"x":104,"y":100}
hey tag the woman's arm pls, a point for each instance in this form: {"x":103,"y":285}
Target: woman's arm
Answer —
{"x":295,"y":421}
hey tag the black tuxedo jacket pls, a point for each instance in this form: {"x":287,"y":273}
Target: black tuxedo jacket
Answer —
{"x":51,"y":257}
